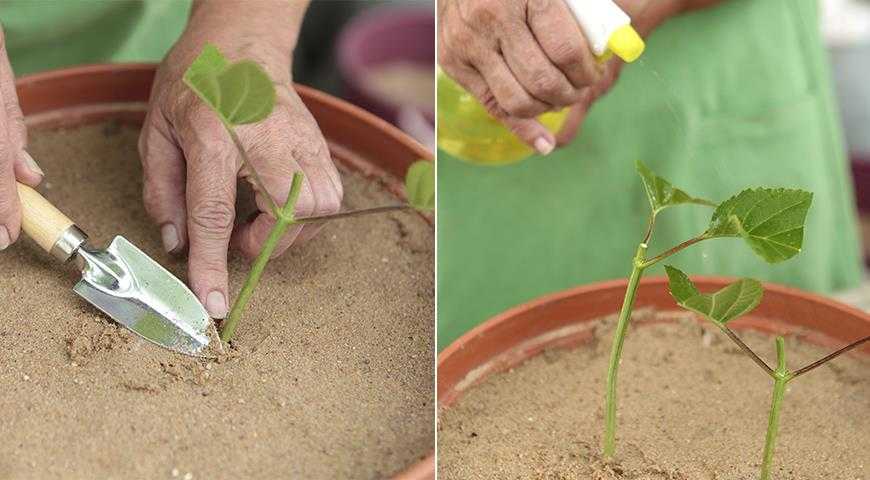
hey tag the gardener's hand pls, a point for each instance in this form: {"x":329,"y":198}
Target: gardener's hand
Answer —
{"x":191,"y":164}
{"x":521,"y":58}
{"x":15,"y":163}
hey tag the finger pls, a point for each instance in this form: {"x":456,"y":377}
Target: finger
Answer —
{"x":25,"y":167}
{"x":276,"y":160}
{"x":322,"y":192}
{"x":532,"y":133}
{"x":10,"y":145}
{"x":609,"y":75}
{"x":578,"y":112}
{"x":250,"y":237}
{"x":212,"y":164}
{"x":577,"y":115}
{"x":469,"y":49}
{"x":10,"y":207}
{"x":528,"y":130}
{"x":534,"y":70}
{"x":164,"y":178}
{"x":488,"y":78}
{"x":571,"y":127}
{"x":562,"y":41}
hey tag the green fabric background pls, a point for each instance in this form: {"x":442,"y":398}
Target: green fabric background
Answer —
{"x":727,"y":98}
{"x":42,"y":35}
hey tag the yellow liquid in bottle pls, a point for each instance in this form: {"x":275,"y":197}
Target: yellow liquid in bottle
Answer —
{"x":467,"y":131}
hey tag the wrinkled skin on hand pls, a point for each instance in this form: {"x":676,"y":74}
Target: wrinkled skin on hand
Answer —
{"x":191,"y":165}
{"x":15,"y":164}
{"x":521,"y":58}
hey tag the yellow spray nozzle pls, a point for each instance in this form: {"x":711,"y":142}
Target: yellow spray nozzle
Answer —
{"x":626,"y":44}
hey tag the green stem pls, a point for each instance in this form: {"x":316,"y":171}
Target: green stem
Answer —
{"x":819,"y":363}
{"x":748,"y":351}
{"x":258,"y":182}
{"x":688,"y":243}
{"x":354,"y":213}
{"x":781,"y":379}
{"x":616,"y":351}
{"x":649,"y":226}
{"x":285,"y":219}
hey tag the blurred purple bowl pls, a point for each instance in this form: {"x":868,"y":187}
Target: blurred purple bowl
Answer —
{"x":392,"y":37}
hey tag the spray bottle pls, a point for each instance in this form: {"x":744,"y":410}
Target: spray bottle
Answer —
{"x":468,"y":132}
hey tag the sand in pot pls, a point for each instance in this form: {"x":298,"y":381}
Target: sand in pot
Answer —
{"x":692,"y":407}
{"x":332,"y":377}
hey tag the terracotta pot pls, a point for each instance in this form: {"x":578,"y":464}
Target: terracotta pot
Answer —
{"x":91,"y":93}
{"x":564,"y":319}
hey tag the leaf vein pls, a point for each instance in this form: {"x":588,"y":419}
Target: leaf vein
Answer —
{"x":781,"y":244}
{"x":739,"y":293}
{"x":246,"y":84}
{"x":756,"y":204}
{"x":775,"y":214}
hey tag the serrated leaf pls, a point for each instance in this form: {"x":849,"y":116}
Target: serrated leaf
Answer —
{"x":662,"y":194}
{"x":733,"y":301}
{"x":239,"y":92}
{"x":420,"y":185}
{"x":770,"y":220}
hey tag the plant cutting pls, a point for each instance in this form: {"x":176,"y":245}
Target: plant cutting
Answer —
{"x":769,"y":220}
{"x":242,"y":93}
{"x":339,"y":312}
{"x":727,"y":304}
{"x":500,"y":390}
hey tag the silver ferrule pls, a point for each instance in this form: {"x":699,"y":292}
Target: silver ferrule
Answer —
{"x":68,"y":243}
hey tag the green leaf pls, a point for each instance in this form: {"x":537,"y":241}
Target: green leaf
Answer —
{"x":209,"y":62}
{"x":662,"y":194}
{"x":733,"y":301}
{"x":202,"y":73}
{"x":239,"y":92}
{"x":770,"y":220}
{"x":681,"y":287}
{"x":420,"y":185}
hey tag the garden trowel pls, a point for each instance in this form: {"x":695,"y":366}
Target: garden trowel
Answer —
{"x":120,"y":280}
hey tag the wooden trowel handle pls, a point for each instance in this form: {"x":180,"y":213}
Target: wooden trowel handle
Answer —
{"x":41,"y":220}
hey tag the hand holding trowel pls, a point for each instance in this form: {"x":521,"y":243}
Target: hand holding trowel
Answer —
{"x":120,"y":280}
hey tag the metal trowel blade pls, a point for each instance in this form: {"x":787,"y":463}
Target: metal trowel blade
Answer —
{"x":138,"y":293}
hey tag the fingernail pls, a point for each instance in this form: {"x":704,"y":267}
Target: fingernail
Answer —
{"x":31,"y":164}
{"x":544,"y":146}
{"x":216,"y":304}
{"x":4,"y":239}
{"x":170,"y":237}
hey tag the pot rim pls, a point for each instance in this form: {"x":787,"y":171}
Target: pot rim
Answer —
{"x":304,"y":91}
{"x":581,"y":290}
{"x":418,"y":470}
{"x":562,"y":319}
